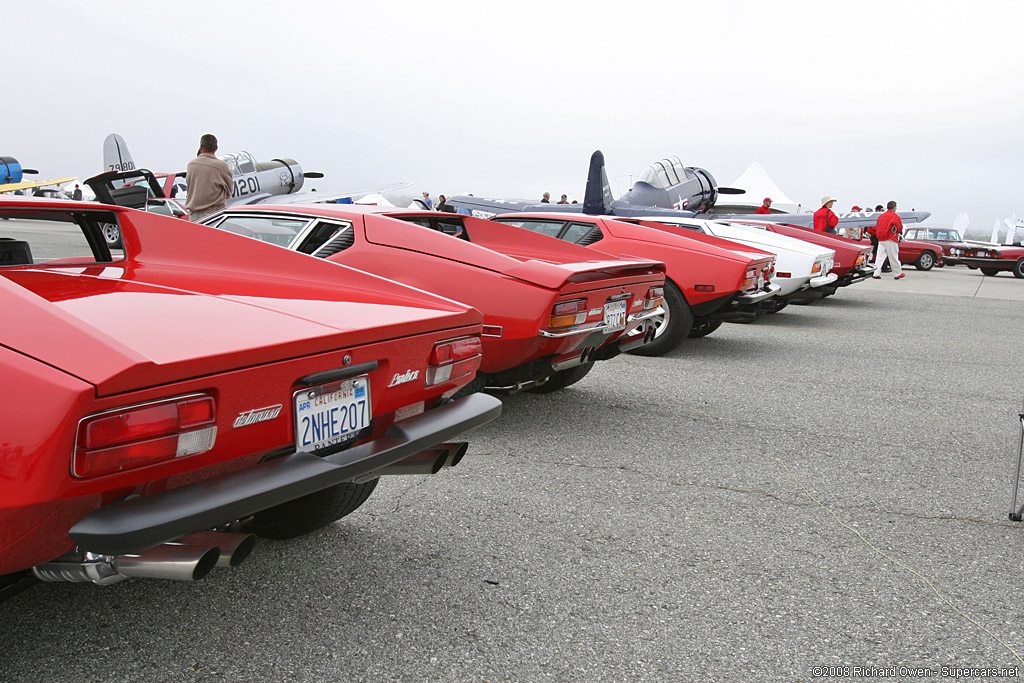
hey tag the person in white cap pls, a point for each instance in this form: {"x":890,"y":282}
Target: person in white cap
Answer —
{"x":825,"y":220}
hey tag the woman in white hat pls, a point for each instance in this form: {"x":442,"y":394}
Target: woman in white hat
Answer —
{"x":825,"y":220}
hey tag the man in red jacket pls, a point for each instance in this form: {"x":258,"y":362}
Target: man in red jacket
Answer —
{"x":766,"y":207}
{"x":887,"y":230}
{"x":824,"y":218}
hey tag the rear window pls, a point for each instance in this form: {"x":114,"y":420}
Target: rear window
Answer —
{"x":549,"y":228}
{"x":273,"y":229}
{"x":30,"y":238}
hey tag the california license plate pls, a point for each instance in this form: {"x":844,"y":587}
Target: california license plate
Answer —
{"x":331,"y":414}
{"x":614,"y":316}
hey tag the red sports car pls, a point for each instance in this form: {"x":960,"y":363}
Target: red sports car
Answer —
{"x":196,"y":381}
{"x":548,"y":315}
{"x":991,"y":259}
{"x":853,"y":259}
{"x":708,"y":280}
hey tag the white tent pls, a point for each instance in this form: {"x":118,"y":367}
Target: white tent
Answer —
{"x":758,"y":185}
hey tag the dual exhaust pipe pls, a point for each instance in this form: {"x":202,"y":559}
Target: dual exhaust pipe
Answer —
{"x":192,"y":557}
{"x":189,"y":558}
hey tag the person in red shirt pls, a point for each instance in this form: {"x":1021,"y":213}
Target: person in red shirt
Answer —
{"x":887,"y":230}
{"x":766,"y":207}
{"x":825,"y":220}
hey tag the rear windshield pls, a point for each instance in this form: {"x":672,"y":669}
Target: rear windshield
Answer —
{"x":30,"y":238}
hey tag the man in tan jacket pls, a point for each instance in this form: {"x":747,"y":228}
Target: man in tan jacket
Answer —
{"x":209,"y":181}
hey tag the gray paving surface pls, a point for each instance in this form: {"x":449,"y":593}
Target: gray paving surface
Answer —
{"x":827,"y":487}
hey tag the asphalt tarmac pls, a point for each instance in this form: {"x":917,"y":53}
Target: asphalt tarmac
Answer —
{"x":827,"y":487}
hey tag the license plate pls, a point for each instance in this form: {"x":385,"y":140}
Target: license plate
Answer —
{"x":331,"y":414}
{"x":614,"y":316}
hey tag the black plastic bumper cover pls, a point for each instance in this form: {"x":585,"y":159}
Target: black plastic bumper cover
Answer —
{"x":130,"y":526}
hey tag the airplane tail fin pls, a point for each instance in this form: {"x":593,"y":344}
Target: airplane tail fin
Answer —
{"x":597,"y":199}
{"x":116,"y":156}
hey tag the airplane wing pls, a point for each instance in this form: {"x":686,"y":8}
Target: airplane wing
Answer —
{"x":13,"y":187}
{"x":483,"y":207}
{"x":854,"y":219}
{"x":313,"y":197}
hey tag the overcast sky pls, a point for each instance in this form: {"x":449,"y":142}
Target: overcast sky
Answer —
{"x":867,"y":101}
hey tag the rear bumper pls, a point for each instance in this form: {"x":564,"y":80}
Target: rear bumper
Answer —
{"x":854,"y":276}
{"x":132,"y":525}
{"x":822,"y":280}
{"x":746,"y":307}
{"x":973,"y":262}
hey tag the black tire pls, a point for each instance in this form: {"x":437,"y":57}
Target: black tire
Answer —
{"x":991,"y":272}
{"x":926,"y":261}
{"x":477,"y":384}
{"x":674,"y":328}
{"x":704,"y":328}
{"x":112,"y":235}
{"x":309,"y":513}
{"x":1018,"y":269}
{"x":777,"y":305}
{"x":562,"y":378}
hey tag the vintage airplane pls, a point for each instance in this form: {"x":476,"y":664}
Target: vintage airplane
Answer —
{"x":12,"y":177}
{"x":255,"y":182}
{"x":665,"y":188}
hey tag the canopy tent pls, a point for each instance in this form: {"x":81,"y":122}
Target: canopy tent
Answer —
{"x":758,"y":185}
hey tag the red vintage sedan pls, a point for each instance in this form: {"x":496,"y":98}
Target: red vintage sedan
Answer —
{"x":708,"y":280}
{"x":548,"y":315}
{"x":921,"y":255}
{"x":197,"y":382}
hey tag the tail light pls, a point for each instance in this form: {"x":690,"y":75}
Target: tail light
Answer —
{"x":749,"y":279}
{"x":453,"y":359}
{"x":784,"y":274}
{"x":704,"y":288}
{"x":129,"y":438}
{"x":816,"y":268}
{"x":566,"y":313}
{"x":655,"y":295}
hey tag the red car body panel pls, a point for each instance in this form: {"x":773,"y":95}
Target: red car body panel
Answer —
{"x":515,"y":293}
{"x":163,"y":322}
{"x":699,"y":260}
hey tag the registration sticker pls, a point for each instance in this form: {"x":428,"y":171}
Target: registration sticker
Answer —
{"x":331,"y":414}
{"x":614,"y":316}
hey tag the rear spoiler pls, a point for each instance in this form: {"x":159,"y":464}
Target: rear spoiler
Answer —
{"x":556,"y":275}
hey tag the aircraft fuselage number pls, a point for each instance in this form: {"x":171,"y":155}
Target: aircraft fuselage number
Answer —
{"x":123,"y":166}
{"x":244,"y":186}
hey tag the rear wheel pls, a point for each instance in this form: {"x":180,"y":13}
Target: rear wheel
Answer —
{"x":704,"y":328}
{"x":673,"y":327}
{"x":926,"y":261}
{"x":562,"y":378}
{"x":309,"y":513}
{"x":985,"y":270}
{"x":1018,"y":269}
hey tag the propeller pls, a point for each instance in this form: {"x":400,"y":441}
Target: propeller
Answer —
{"x":313,"y":174}
{"x":730,"y":190}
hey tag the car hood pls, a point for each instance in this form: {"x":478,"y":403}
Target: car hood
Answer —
{"x":109,"y":328}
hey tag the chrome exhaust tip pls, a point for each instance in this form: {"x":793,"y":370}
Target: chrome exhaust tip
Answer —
{"x":234,"y":548}
{"x":169,"y":561}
